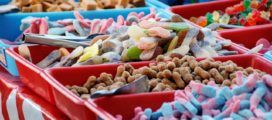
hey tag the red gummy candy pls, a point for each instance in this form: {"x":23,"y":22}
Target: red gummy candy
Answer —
{"x":265,"y":42}
{"x":250,"y":22}
{"x":242,"y":21}
{"x":233,"y":20}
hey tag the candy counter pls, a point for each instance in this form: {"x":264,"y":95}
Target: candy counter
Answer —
{"x":136,"y":59}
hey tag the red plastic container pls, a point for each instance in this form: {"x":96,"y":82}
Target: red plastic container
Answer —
{"x":70,"y":104}
{"x":30,"y":73}
{"x":200,"y":9}
{"x":124,"y":104}
{"x":67,"y":102}
{"x":248,"y":37}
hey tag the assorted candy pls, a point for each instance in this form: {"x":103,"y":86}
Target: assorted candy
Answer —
{"x":69,"y":5}
{"x":81,"y":26}
{"x":167,"y":74}
{"x":246,"y":13}
{"x":139,"y":38}
{"x":248,"y":99}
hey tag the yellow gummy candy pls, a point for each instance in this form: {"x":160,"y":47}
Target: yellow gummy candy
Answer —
{"x":136,"y":32}
{"x":89,"y":52}
{"x":216,"y":16}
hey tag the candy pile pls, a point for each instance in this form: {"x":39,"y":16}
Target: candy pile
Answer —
{"x":44,"y":5}
{"x":246,"y":13}
{"x":165,"y":75}
{"x":250,"y":98}
{"x":106,"y":4}
{"x":81,"y":26}
{"x":69,"y":5}
{"x":173,"y":38}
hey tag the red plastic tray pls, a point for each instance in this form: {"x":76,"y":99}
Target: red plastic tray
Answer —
{"x":125,"y":104}
{"x":11,"y":86}
{"x":248,"y":37}
{"x":30,"y":73}
{"x":199,"y":9}
{"x":69,"y":103}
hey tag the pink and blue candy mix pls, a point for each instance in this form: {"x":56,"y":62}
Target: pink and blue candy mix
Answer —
{"x":250,"y":98}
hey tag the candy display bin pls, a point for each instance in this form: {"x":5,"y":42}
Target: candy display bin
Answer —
{"x":169,"y":3}
{"x":60,"y":77}
{"x":15,"y":18}
{"x":199,"y":9}
{"x":30,"y":73}
{"x":248,"y":37}
{"x":66,"y":101}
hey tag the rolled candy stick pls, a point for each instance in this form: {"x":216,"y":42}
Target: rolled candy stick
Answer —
{"x":237,"y":116}
{"x":179,"y":107}
{"x":189,"y":106}
{"x":247,"y":86}
{"x":192,"y":99}
{"x":246,"y":113}
{"x":239,"y":78}
{"x":268,"y":97}
{"x":268,"y":80}
{"x":257,"y":95}
{"x":206,"y":90}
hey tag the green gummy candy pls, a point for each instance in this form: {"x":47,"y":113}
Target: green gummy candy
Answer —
{"x":247,"y":3}
{"x":179,"y":26}
{"x":134,"y":53}
{"x":209,"y":17}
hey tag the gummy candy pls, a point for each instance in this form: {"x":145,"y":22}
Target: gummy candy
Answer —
{"x":202,"y":21}
{"x":216,"y":16}
{"x":133,"y":53}
{"x":209,"y":17}
{"x":224,"y":19}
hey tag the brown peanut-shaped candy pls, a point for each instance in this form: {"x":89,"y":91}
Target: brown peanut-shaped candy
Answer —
{"x":167,"y":74}
{"x":177,"y":78}
{"x":75,"y":92}
{"x":90,"y":82}
{"x":226,"y":83}
{"x":125,"y":75}
{"x":85,"y":96}
{"x":170,"y":83}
{"x":160,"y":87}
{"x":129,"y":67}
{"x":106,"y":78}
{"x":153,"y":83}
{"x":216,"y":75}
{"x":202,"y":73}
{"x":177,"y":62}
{"x":120,"y":70}
{"x":171,"y":65}
{"x":205,"y":64}
{"x":162,"y":66}
{"x":160,"y":58}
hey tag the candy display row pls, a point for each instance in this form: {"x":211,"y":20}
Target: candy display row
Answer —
{"x":249,"y":99}
{"x":69,"y":5}
{"x":175,"y":72}
{"x":246,"y":13}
